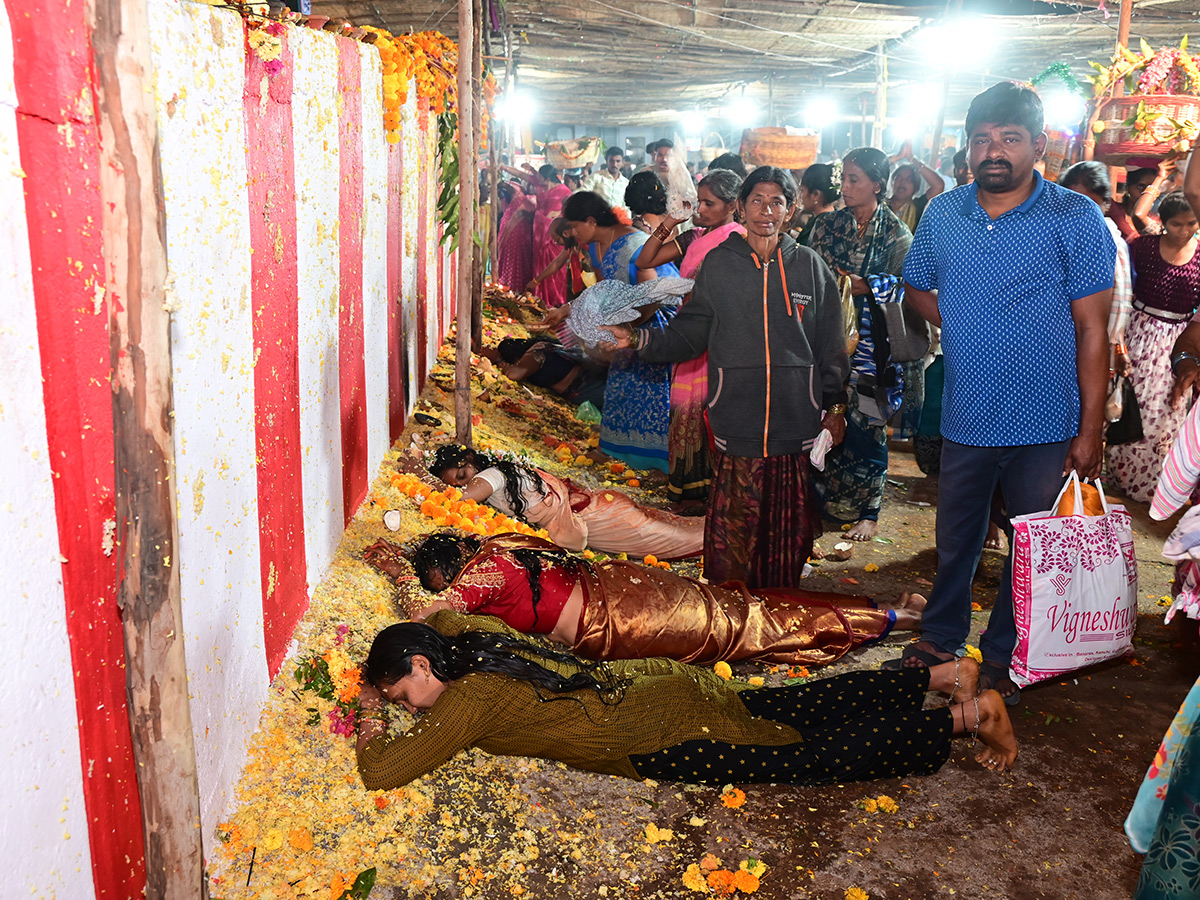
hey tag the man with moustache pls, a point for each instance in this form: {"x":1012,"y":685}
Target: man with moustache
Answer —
{"x":609,"y":182}
{"x":1018,"y":272}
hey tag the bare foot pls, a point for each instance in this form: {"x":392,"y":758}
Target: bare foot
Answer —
{"x":817,"y":552}
{"x":994,"y":540}
{"x":864,"y":530}
{"x":999,"y":750}
{"x":958,"y":678}
{"x":912,"y":600}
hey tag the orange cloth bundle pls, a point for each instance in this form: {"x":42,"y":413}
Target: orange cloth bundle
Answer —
{"x":1092,"y":505}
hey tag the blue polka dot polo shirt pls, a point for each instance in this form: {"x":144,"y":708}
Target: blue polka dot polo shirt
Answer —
{"x":1005,"y":288}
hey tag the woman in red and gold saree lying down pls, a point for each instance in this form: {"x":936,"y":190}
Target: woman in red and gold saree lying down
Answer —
{"x":620,"y":610}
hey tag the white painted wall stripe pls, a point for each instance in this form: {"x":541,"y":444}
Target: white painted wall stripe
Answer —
{"x":314,"y":123}
{"x":43,"y":826}
{"x":374,"y":268}
{"x":212,"y":354}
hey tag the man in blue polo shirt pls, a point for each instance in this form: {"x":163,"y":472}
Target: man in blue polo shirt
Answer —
{"x":1018,"y":272}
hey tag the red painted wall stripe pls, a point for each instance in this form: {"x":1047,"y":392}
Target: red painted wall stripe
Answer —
{"x":423,"y":204}
{"x":352,"y":375}
{"x":274,"y":279}
{"x":397,"y":360}
{"x":62,"y":207}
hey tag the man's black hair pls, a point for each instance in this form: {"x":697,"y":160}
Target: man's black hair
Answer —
{"x":1007,"y":104}
{"x":1091,"y":175}
{"x":613,"y":151}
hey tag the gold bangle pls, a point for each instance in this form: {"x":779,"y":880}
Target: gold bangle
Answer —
{"x":838,"y":409}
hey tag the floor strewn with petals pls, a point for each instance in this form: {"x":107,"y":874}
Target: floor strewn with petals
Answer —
{"x":493,"y":827}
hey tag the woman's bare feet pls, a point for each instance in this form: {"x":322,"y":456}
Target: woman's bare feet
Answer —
{"x":999,"y":750}
{"x":958,"y":678}
{"x":914,"y":601}
{"x":864,"y":530}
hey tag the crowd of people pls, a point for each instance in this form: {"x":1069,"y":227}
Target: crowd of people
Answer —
{"x":831,"y":311}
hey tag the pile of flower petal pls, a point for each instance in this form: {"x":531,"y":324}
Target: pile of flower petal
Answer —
{"x":481,"y":826}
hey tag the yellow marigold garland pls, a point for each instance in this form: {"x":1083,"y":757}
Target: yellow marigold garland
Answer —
{"x":447,"y":508}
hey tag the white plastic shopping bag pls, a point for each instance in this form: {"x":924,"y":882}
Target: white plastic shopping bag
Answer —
{"x":1074,"y":588}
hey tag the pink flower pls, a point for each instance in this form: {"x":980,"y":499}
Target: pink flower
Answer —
{"x":342,"y":630}
{"x":341,"y":723}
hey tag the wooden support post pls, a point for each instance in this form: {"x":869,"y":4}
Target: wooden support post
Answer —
{"x":139,"y":337}
{"x":477,"y":249}
{"x":466,"y":221}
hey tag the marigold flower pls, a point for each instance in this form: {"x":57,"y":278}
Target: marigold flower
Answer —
{"x":870,"y":567}
{"x":723,"y":669}
{"x":869,"y":804}
{"x":857,"y":893}
{"x":709,"y":862}
{"x":734,"y":798}
{"x":633,"y":482}
{"x":974,"y":653}
{"x":693,"y":879}
{"x":745,"y":881}
{"x":301,"y":839}
{"x":650,"y":559}
{"x":755,"y":867}
{"x":887,"y":804}
{"x":755,"y":681}
{"x":721,"y":881}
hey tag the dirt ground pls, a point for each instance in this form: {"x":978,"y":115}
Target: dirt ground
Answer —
{"x":1052,"y":828}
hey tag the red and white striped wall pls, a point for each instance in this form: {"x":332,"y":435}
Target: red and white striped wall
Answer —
{"x":309,"y":294}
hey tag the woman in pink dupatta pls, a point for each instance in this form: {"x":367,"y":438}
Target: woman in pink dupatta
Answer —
{"x":690,"y":474}
{"x":514,"y":242}
{"x":550,"y":196}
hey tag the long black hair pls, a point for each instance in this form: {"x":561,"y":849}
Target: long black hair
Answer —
{"x":451,"y":456}
{"x":584,"y":205}
{"x":449,"y":553}
{"x":451,"y":658}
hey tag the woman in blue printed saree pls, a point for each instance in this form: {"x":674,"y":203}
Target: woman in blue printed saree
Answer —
{"x":866,"y":243}
{"x":637,"y":396}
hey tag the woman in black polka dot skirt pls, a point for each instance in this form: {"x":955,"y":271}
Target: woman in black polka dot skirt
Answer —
{"x":478,"y":683}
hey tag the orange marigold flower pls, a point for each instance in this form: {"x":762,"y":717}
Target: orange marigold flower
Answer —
{"x":721,"y":881}
{"x":633,"y":482}
{"x":734,"y":798}
{"x":381,"y":801}
{"x":857,"y":893}
{"x":693,"y":880}
{"x":745,"y":881}
{"x":887,"y":804}
{"x":710,"y":863}
{"x":723,"y":669}
{"x":301,"y":839}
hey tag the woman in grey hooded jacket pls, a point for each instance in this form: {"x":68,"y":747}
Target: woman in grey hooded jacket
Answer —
{"x":768,"y":312}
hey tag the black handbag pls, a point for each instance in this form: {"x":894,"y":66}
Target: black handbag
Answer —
{"x":1128,"y":428}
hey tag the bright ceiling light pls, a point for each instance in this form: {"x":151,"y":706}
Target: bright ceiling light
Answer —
{"x":517,"y":107}
{"x":741,"y":115}
{"x":1063,"y":109}
{"x":820,"y":112}
{"x":955,"y":42}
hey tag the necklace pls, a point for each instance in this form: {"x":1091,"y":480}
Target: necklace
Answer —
{"x":862,"y":228}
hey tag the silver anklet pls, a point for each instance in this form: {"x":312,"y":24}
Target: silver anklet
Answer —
{"x":957,"y":660}
{"x":975,"y":733}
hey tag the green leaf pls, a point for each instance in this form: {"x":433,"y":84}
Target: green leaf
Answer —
{"x":362,"y":887}
{"x":1147,"y":50}
{"x":1183,"y":44}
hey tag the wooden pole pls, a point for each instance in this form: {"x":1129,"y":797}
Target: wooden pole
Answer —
{"x":466,"y":222}
{"x":139,"y":338}
{"x":477,"y":249}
